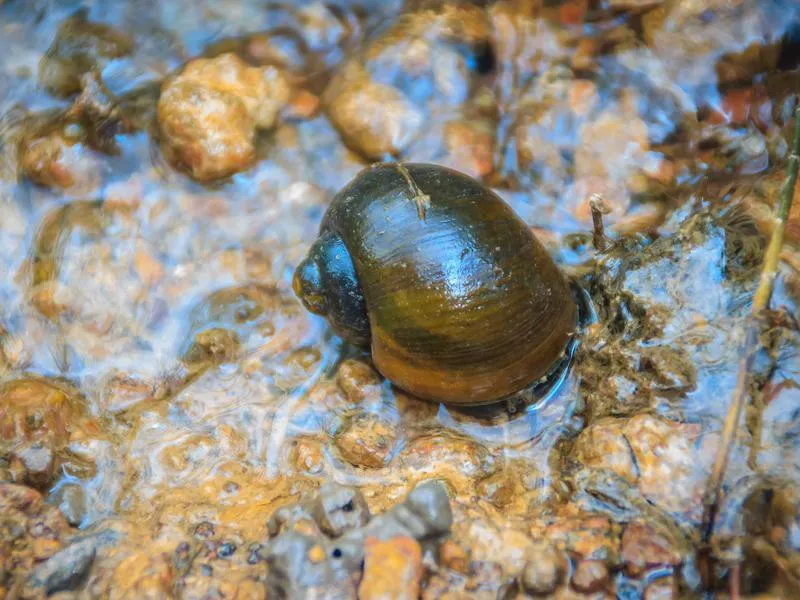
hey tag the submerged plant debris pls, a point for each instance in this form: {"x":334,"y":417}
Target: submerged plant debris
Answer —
{"x":174,"y":424}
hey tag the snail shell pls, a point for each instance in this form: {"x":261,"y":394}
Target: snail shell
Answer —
{"x":457,"y":300}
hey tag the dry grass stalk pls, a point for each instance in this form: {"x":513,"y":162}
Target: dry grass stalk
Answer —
{"x":751,"y":345}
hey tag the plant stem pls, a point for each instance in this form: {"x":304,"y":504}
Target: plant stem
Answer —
{"x":599,"y":208}
{"x":751,"y":344}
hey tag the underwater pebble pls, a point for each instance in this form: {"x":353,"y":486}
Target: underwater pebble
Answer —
{"x":544,"y":570}
{"x":591,"y":537}
{"x":38,"y":462}
{"x":590,"y":576}
{"x":366,"y":441}
{"x":66,"y":569}
{"x":338,"y":509}
{"x":453,"y":556}
{"x":209,"y":114}
{"x":53,"y":162}
{"x":302,"y":558}
{"x":392,"y":569}
{"x":643,"y":548}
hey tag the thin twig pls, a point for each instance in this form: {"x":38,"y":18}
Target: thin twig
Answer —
{"x":599,"y":208}
{"x":751,"y":344}
{"x":734,"y":583}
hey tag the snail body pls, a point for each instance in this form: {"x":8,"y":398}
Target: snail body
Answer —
{"x":435,"y":274}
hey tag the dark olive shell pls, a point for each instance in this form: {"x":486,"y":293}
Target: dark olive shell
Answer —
{"x":465,"y":306}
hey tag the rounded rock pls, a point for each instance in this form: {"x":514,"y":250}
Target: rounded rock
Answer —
{"x":366,"y":441}
{"x":544,"y":571}
{"x":209,"y":114}
{"x":71,"y":501}
{"x":339,"y":508}
{"x":590,"y":576}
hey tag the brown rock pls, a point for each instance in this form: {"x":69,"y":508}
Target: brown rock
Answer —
{"x":643,"y":548}
{"x":210,"y":112}
{"x":53,"y":162}
{"x":143,"y":575}
{"x":544,"y":571}
{"x":471,"y":458}
{"x":572,"y":12}
{"x":583,"y":97}
{"x":367,"y":441}
{"x":392,"y":569}
{"x":71,"y":501}
{"x":19,"y":497}
{"x":30,"y":532}
{"x":503,"y":488}
{"x":374,"y":120}
{"x":470,"y":146}
{"x":602,"y":445}
{"x":206,"y":132}
{"x":454,"y":557}
{"x":590,"y":576}
{"x":39,"y":462}
{"x":307,"y":456}
{"x":358,"y":380}
{"x":589,"y":537}
{"x":263,"y":91}
{"x":303,"y":105}
{"x":37,"y":418}
{"x":622,"y":135}
{"x":666,"y":452}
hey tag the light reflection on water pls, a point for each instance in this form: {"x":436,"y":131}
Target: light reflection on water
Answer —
{"x":164,"y":245}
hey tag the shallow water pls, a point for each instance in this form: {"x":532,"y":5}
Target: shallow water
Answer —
{"x":114,"y":287}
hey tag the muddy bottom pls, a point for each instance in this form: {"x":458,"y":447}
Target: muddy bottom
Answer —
{"x":173,"y":422}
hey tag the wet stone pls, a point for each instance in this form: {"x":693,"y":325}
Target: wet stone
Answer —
{"x":66,"y":569}
{"x":366,"y":441}
{"x":590,"y":576}
{"x":55,"y":162}
{"x":589,"y":537}
{"x":211,"y":346}
{"x":233,"y":319}
{"x":80,"y":46}
{"x":376,"y":120}
{"x":502,"y":488}
{"x":371,"y":101}
{"x":462,"y":460}
{"x":298,"y":564}
{"x":392,"y":569}
{"x":338,"y":509}
{"x":290,"y":517}
{"x":603,"y":445}
{"x":145,"y":575}
{"x":453,"y":556}
{"x":544,"y":571}
{"x":643,"y":548}
{"x":425,"y":513}
{"x":19,"y":497}
{"x":306,"y":455}
{"x":209,"y":114}
{"x":38,"y":462}
{"x":304,"y":556}
{"x":37,"y":420}
{"x":358,"y":380}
